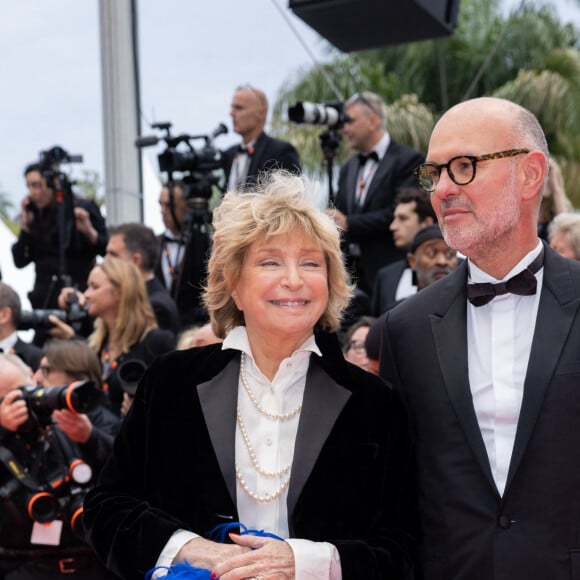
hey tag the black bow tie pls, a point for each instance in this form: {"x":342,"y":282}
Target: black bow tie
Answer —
{"x":169,"y":240}
{"x":248,"y":150}
{"x":522,"y":284}
{"x":362,"y":158}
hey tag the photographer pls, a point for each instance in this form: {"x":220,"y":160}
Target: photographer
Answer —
{"x":10,"y":313}
{"x":368,"y":183}
{"x":258,"y":152}
{"x":41,"y":239}
{"x":50,"y":458}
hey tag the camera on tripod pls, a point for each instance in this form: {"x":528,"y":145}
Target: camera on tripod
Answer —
{"x":331,"y":114}
{"x":51,"y":160}
{"x":198,"y":163}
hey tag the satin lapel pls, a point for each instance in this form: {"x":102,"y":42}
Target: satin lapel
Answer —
{"x":257,"y":159}
{"x":384,"y":167}
{"x":219,"y":400}
{"x":352,"y":185}
{"x":450,"y":337}
{"x":559,"y":303}
{"x":323,"y":402}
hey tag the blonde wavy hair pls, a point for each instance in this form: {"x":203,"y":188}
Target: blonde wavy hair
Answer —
{"x":135,"y":317}
{"x":280,"y":204}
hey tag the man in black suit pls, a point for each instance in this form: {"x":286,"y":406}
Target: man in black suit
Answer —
{"x":258,"y":152}
{"x":137,"y":243}
{"x":180,"y":267}
{"x":413,"y":211}
{"x":367,"y":186}
{"x":488,"y":360}
{"x":10,"y":313}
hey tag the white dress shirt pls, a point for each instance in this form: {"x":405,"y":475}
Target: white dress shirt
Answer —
{"x":499,"y":341}
{"x":273,"y":442}
{"x":368,"y":170}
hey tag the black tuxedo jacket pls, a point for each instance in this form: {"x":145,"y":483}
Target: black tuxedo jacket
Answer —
{"x":385,"y":290}
{"x":163,"y":305}
{"x":469,"y":530}
{"x":368,"y":226}
{"x":269,"y":154}
{"x":29,"y":353}
{"x":173,"y":464}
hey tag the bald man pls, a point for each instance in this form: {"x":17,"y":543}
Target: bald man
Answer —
{"x":258,"y":152}
{"x":488,"y":361}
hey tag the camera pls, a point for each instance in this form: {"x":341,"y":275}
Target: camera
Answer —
{"x":331,"y":114}
{"x":51,"y":159}
{"x":199,"y":163}
{"x":33,"y":319}
{"x":130,"y":372}
{"x":39,"y":318}
{"x":78,"y":397}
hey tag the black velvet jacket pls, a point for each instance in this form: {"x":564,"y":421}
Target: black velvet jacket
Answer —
{"x":173,"y":464}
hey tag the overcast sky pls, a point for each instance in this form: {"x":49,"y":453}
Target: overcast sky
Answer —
{"x":192,"y":54}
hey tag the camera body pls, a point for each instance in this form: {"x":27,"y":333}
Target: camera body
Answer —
{"x":331,"y":114}
{"x":38,"y":318}
{"x":78,"y":397}
{"x":47,"y":477}
{"x":198,"y":164}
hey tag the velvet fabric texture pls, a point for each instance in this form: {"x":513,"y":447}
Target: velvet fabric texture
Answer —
{"x":173,"y":464}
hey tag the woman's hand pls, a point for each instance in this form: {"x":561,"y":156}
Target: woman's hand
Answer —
{"x":13,"y":410}
{"x":75,"y":427}
{"x":60,"y":329}
{"x":270,"y":559}
{"x":206,"y":554}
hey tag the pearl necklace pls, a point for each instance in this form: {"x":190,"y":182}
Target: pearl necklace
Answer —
{"x":255,"y":402}
{"x":260,"y":498}
{"x":254,"y":459}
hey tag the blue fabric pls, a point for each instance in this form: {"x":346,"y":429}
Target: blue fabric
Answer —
{"x":185,"y":571}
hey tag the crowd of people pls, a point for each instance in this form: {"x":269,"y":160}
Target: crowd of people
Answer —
{"x":374,"y":389}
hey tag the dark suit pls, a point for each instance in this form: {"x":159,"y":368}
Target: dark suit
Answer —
{"x":163,"y":305}
{"x":386,"y":283}
{"x":173,"y":464}
{"x":469,"y":530}
{"x":368,"y":226}
{"x":29,"y":353}
{"x":269,"y":153}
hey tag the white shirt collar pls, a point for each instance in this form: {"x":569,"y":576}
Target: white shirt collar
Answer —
{"x":237,"y":339}
{"x":478,"y":275}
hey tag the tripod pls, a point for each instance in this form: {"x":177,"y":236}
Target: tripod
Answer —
{"x":330,"y":142}
{"x":195,"y":238}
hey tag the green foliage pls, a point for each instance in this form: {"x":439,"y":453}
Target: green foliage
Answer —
{"x":527,"y":56}
{"x":90,"y":186}
{"x":6,"y":206}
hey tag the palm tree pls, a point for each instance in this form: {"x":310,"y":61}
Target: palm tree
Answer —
{"x":5,"y":206}
{"x":528,"y":56}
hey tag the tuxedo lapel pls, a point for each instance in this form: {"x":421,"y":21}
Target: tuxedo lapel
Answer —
{"x":352,"y":185}
{"x":219,"y":399}
{"x":323,"y":402}
{"x":257,"y":158}
{"x":450,"y":337}
{"x":384,"y":167}
{"x":559,"y":303}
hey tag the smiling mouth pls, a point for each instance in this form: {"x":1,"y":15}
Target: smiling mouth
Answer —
{"x":290,"y":303}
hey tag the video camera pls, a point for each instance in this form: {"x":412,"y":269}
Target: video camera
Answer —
{"x":331,"y":114}
{"x":50,"y":162}
{"x":199,"y":163}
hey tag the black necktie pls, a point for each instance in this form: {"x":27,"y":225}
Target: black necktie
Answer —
{"x":522,"y":284}
{"x":362,"y":158}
